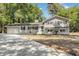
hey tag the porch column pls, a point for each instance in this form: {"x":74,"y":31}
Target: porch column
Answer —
{"x":39,"y":30}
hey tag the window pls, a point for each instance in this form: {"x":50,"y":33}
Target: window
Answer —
{"x":41,"y":27}
{"x":62,"y":30}
{"x":29,"y":27}
{"x":49,"y":30}
{"x":36,"y":28}
{"x":33,"y":27}
{"x":48,"y":22}
{"x":65,"y":22}
{"x":30,"y":32}
{"x":51,"y":22}
{"x":23,"y":28}
{"x":58,"y":22}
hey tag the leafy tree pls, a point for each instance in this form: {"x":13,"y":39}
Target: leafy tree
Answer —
{"x":74,"y":18}
{"x":28,"y":12}
{"x":54,"y":8}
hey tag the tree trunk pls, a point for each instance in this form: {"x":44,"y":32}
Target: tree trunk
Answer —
{"x":2,"y":28}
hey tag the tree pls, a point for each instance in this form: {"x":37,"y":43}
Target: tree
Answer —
{"x":3,"y":19}
{"x":74,"y":18}
{"x":54,"y":8}
{"x":28,"y":12}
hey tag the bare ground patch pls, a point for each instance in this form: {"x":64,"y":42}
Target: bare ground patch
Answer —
{"x":67,"y":43}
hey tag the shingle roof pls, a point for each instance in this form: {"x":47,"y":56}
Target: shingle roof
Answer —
{"x":19,"y":24}
{"x":56,"y":16}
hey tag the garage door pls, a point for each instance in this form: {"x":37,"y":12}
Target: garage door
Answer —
{"x":14,"y":30}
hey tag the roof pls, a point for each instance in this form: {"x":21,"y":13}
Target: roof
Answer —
{"x":56,"y":16}
{"x":18,"y":24}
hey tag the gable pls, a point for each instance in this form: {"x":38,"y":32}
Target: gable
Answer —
{"x":56,"y":17}
{"x":56,"y":22}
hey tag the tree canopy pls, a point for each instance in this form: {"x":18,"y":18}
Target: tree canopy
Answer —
{"x":19,"y":13}
{"x":15,"y":12}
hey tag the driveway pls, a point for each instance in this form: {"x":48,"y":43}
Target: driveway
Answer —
{"x":15,"y":45}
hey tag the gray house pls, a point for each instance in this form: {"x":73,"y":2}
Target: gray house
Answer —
{"x":54,"y":25}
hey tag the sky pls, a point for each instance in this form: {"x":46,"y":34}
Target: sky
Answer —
{"x":44,"y":7}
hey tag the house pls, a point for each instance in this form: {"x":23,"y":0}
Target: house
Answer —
{"x":54,"y":25}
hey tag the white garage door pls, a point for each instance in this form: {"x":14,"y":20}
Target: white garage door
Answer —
{"x":13,"y":30}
